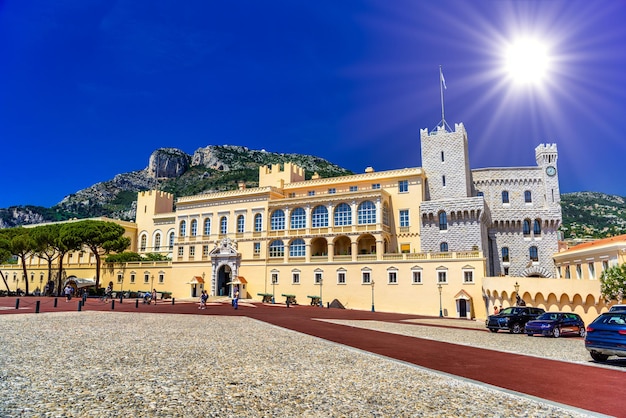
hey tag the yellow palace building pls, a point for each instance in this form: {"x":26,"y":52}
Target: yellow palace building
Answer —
{"x":441,"y":239}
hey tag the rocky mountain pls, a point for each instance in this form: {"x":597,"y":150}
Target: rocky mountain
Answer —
{"x":209,"y":169}
{"x":586,"y":215}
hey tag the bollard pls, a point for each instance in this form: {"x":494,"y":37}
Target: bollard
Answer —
{"x":172,"y":301}
{"x":121,"y":297}
{"x":84,"y":298}
{"x":80,"y":305}
{"x":37,"y":307}
{"x":113,"y":304}
{"x":328,"y":305}
{"x":136,"y":303}
{"x":55,"y":302}
{"x":17,"y":303}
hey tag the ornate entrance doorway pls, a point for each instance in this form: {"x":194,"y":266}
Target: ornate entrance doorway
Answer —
{"x":225,"y":262}
{"x":223,"y":277}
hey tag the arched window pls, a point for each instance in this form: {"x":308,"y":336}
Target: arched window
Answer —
{"x":319,"y":217}
{"x":183,"y":228}
{"x":505,"y":196}
{"x":144,"y":240}
{"x":537,"y":227}
{"x":386,"y":214}
{"x":533,"y":253}
{"x":194,"y":228}
{"x":277,"y":220}
{"x":505,"y":254}
{"x":343,"y":215}
{"x":207,"y":226}
{"x":366,"y":213}
{"x":277,"y":248}
{"x":223,"y":225}
{"x":528,"y":197}
{"x":443,"y":221}
{"x":241,"y":221}
{"x":171,"y":241}
{"x":297,"y":248}
{"x":443,"y":247}
{"x":157,"y":242}
{"x":526,"y":227}
{"x":298,"y":219}
{"x":258,"y":222}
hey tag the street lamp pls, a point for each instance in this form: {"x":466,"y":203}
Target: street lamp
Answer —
{"x":440,"y":308}
{"x":273,"y":288}
{"x":321,"y":283}
{"x":373,"y":296}
{"x":122,"y":289}
{"x":152,"y":284}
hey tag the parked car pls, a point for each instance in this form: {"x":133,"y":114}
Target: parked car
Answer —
{"x":620,"y":308}
{"x":512,"y":319}
{"x":556,"y":324}
{"x":606,"y":336}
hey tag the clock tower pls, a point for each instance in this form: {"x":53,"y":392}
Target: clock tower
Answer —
{"x":546,"y":156}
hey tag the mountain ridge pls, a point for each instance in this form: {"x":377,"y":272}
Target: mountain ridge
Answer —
{"x":209,"y":169}
{"x":586,"y":215}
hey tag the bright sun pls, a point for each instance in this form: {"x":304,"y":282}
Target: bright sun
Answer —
{"x":526,"y":61}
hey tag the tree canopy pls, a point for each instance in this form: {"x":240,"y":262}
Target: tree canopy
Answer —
{"x":613,"y":283}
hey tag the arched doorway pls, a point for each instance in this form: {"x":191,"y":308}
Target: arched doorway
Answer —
{"x":464,"y":304}
{"x":224,"y":275}
{"x":462,"y":308}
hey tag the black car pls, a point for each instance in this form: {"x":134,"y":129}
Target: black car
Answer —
{"x":512,"y":319}
{"x":556,"y":324}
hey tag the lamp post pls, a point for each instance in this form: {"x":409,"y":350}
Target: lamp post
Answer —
{"x":440,"y":307}
{"x":321,"y":283}
{"x":516,"y":293}
{"x":122,"y":289}
{"x":373,"y":296}
{"x":273,"y":288}
{"x":152,"y":284}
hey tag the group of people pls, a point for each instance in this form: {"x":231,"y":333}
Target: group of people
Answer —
{"x":518,"y":302}
{"x":204,"y":297}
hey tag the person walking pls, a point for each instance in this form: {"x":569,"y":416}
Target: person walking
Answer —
{"x":203,"y":298}
{"x":108,"y":293}
{"x":68,"y":292}
{"x":236,"y":299}
{"x":154,"y":295}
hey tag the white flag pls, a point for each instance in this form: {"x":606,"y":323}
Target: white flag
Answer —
{"x":443,"y":80}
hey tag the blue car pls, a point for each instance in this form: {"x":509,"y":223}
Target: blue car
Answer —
{"x":556,"y":324}
{"x":606,"y":336}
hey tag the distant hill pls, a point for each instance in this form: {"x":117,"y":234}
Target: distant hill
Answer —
{"x":586,"y":215}
{"x":592,"y":215}
{"x":210,"y":169}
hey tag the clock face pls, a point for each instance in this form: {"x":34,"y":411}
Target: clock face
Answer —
{"x":550,"y":170}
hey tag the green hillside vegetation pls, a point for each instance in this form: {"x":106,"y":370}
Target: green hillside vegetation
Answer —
{"x":592,"y":215}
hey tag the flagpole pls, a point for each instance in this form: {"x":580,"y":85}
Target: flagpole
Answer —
{"x":443,"y":118}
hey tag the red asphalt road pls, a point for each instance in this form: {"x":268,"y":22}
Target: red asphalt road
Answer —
{"x":587,"y":387}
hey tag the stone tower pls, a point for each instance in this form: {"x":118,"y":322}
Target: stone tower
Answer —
{"x":452,"y":219}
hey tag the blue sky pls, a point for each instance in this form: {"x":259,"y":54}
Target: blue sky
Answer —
{"x":89,"y":88}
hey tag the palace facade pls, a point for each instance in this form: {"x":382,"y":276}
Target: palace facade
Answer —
{"x":441,"y":239}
